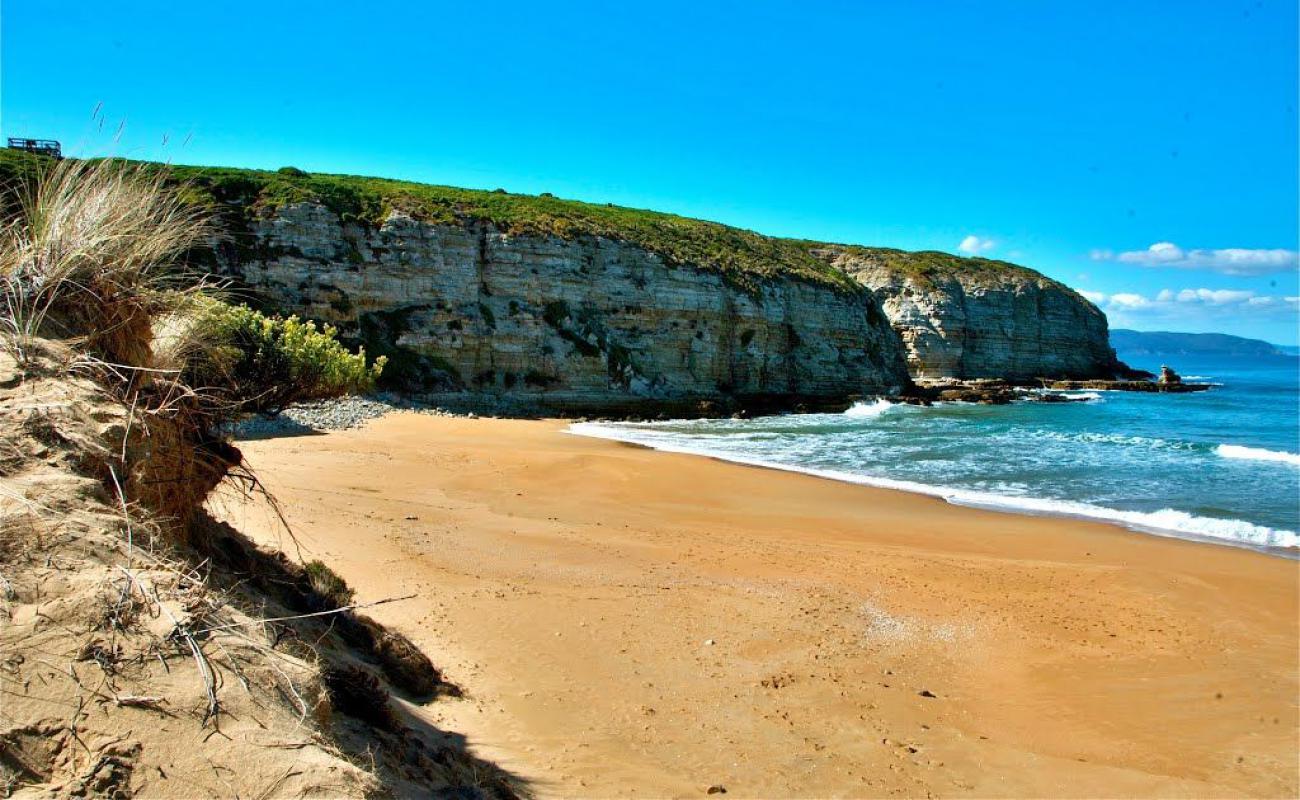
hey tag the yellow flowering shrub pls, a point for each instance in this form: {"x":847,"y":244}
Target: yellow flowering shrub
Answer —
{"x":264,"y":363}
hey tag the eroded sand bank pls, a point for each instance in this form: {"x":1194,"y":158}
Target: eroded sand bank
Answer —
{"x":626,"y":622}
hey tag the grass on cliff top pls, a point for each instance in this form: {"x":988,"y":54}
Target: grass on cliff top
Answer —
{"x":738,"y":254}
{"x":926,"y":266}
{"x":743,"y":257}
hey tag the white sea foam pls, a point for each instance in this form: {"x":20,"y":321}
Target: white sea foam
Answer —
{"x":1091,"y":397}
{"x":1092,"y":437}
{"x":872,"y":409}
{"x":1166,"y":522}
{"x":1256,"y":454}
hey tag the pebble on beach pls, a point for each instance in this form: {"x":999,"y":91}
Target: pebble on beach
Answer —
{"x":341,"y":413}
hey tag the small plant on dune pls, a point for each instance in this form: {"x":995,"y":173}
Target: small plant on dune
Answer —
{"x":358,"y":693}
{"x":332,"y":590}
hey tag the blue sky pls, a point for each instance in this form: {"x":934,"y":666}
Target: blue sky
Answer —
{"x":1071,"y":137}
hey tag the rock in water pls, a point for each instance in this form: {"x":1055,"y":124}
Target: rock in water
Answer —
{"x":1168,"y":376}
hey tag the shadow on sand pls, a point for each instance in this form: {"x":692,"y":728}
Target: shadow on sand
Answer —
{"x":363,"y":666}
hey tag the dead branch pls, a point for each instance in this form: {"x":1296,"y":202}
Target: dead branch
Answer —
{"x":339,"y":610}
{"x":141,"y":701}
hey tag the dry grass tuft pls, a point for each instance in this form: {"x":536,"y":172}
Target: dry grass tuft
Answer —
{"x":89,"y":259}
{"x":88,"y":255}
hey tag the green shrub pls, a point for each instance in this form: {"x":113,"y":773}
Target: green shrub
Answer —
{"x":261,"y":363}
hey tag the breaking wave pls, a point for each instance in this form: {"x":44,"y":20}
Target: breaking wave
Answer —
{"x":872,"y":409}
{"x":1167,"y":522}
{"x":1257,"y":454}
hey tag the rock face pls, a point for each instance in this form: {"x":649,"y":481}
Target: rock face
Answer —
{"x":976,"y":318}
{"x":584,"y":324}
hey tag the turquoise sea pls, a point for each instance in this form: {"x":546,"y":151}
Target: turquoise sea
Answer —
{"x":1221,"y":465}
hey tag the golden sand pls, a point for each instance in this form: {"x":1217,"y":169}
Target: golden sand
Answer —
{"x":626,"y":622}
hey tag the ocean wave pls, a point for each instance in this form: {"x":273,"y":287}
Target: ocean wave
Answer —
{"x":1090,"y":437}
{"x":1165,"y":522}
{"x":1091,"y":397}
{"x":872,"y":409}
{"x":1256,"y":454}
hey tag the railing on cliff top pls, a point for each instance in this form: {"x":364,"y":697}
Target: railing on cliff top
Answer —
{"x":43,"y":147}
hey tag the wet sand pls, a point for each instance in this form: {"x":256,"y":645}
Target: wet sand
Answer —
{"x":633,"y":623}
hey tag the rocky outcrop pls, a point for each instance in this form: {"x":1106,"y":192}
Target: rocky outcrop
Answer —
{"x":1131,"y":386}
{"x":583,"y":323}
{"x":972,"y":318}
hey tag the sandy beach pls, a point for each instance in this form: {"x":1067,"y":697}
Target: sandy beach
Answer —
{"x":631,"y":623}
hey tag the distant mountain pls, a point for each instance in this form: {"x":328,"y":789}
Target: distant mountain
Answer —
{"x":1185,"y":344}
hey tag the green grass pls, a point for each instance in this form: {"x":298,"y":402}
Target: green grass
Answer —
{"x":925,"y":266}
{"x":744,"y":257}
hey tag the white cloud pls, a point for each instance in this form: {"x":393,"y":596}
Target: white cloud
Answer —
{"x":1215,"y":297}
{"x":973,"y":244}
{"x":1158,"y":253}
{"x":1128,"y":300}
{"x":1183,"y":303}
{"x":1229,"y":261}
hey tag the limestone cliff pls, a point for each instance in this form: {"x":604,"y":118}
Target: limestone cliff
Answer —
{"x":557,"y":304}
{"x":979,"y":318}
{"x":582,"y":323}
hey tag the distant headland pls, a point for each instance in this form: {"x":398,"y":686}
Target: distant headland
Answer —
{"x":1169,"y":343}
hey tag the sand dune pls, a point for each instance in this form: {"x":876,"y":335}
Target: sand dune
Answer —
{"x":633,"y":623}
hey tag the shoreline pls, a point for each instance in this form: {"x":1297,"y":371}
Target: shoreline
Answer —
{"x":629,"y":622}
{"x":985,"y":501}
